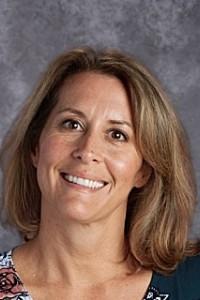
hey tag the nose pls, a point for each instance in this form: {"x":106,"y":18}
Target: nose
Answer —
{"x":87,"y":149}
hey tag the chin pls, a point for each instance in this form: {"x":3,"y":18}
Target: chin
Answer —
{"x":78,"y":213}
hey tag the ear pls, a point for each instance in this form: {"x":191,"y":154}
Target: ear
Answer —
{"x":35,"y":157}
{"x":143,"y":175}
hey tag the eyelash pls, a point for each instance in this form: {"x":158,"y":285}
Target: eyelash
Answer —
{"x":117,"y":131}
{"x":71,"y":122}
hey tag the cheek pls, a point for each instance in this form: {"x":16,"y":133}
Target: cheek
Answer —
{"x":52,"y":149}
{"x":51,"y":152}
{"x":126,"y":166}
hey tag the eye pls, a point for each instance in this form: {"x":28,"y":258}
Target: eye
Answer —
{"x":72,"y":124}
{"x":118,"y":135}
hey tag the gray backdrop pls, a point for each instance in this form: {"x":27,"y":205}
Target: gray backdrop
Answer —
{"x":164,"y":34}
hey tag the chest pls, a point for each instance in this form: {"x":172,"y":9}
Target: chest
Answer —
{"x":122,"y":291}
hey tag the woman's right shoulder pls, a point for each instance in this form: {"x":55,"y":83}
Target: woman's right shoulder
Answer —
{"x":6,"y":259}
{"x":11,"y":287}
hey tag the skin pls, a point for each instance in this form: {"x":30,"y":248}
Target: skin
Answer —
{"x":92,"y":150}
{"x":84,"y":227}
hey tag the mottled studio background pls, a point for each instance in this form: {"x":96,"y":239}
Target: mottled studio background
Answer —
{"x":164,"y":34}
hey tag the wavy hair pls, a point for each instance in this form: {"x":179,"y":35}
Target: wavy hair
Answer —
{"x":158,"y":214}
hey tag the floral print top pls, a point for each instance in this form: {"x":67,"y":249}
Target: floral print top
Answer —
{"x":11,"y":287}
{"x":182,"y":284}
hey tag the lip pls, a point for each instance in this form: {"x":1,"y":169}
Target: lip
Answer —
{"x":81,"y":187}
{"x":84,"y":176}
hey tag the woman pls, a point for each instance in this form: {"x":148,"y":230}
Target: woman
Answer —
{"x":97,"y":178}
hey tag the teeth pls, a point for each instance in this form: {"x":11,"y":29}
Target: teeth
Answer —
{"x":92,"y":184}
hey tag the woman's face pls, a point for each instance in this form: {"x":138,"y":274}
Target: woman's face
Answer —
{"x":86,"y":160}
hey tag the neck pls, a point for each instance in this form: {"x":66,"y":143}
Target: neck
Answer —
{"x":83,"y":254}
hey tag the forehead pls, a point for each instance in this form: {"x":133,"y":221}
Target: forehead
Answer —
{"x":92,"y":89}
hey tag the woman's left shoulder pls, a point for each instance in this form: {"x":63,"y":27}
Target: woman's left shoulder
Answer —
{"x":188,"y":271}
{"x":182,"y":284}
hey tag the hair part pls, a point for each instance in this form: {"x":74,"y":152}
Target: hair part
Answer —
{"x":158,"y":214}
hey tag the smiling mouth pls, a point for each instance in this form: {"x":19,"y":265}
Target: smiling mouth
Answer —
{"x":88,"y":183}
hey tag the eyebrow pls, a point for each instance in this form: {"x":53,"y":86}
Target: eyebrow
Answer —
{"x":80,"y":113}
{"x":73,"y":111}
{"x":121,"y":122}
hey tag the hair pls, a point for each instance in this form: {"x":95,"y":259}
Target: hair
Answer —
{"x":159,"y":213}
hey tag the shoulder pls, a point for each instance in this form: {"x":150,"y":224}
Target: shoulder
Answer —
{"x":190,"y":267}
{"x":183,"y":283}
{"x":188,"y":275}
{"x":6,"y":259}
{"x":11,"y":286}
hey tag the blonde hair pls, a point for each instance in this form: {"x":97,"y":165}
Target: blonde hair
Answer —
{"x":158,"y":214}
